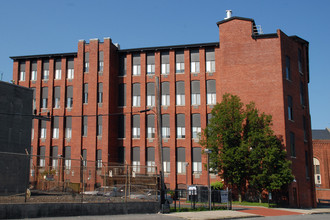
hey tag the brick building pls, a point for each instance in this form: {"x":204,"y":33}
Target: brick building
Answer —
{"x":111,"y":86}
{"x":321,"y":160}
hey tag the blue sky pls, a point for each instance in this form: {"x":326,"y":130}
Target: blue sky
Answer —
{"x":40,"y":27}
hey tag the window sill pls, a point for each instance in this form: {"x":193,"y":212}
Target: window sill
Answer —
{"x":179,"y":73}
{"x":181,"y":138}
{"x":293,"y":157}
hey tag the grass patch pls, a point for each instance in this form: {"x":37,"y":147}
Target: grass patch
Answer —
{"x":254,"y":204}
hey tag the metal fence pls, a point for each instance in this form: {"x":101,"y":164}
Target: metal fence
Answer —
{"x":182,"y":199}
{"x":66,"y":180}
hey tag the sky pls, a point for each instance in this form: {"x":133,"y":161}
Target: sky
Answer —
{"x":43,"y":27}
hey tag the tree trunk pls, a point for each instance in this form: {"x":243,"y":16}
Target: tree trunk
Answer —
{"x":240,"y":197}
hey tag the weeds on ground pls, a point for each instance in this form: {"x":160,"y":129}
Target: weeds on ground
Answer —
{"x":197,"y":209}
{"x":254,"y":204}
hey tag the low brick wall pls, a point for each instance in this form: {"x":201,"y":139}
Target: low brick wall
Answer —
{"x":10,"y":211}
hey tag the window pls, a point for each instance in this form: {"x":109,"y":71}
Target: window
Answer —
{"x":151,"y":160}
{"x":136,"y":65}
{"x":306,"y":165}
{"x":136,"y":126}
{"x":317,"y":171}
{"x":136,"y":95}
{"x":194,"y":61}
{"x":209,"y":117}
{"x":165,"y":60}
{"x":195,"y":93}
{"x":305,"y":128}
{"x":166,"y":126}
{"x":44,"y":95}
{"x":58,"y":69}
{"x":179,"y":62}
{"x":85,"y":93}
{"x":197,"y":160}
{"x":165,"y":93}
{"x":99,"y":159}
{"x":34,"y":71}
{"x":32,"y":129}
{"x":210,"y":60}
{"x":56,"y":130}
{"x":121,"y":155}
{"x":136,"y":159}
{"x":34,"y":99}
{"x":122,"y":94}
{"x":45,"y":75}
{"x":70,"y":67}
{"x":43,"y":129}
{"x":54,"y":157}
{"x":22,"y":71}
{"x":292,"y":144}
{"x":68,"y":127}
{"x":57,"y":96}
{"x":67,"y":158}
{"x":151,"y":126}
{"x":42,"y":154}
{"x":122,"y":65}
{"x":99,"y":125}
{"x":84,"y":157}
{"x":181,"y":160}
{"x":85,"y":126}
{"x":86,"y":64}
{"x":121,"y":126}
{"x":150,"y":94}
{"x":180,"y":93}
{"x":99,"y":93}
{"x":101,"y":61}
{"x":166,"y":160}
{"x":69,"y":96}
{"x":196,"y":126}
{"x":300,"y":61}
{"x":211,"y":92}
{"x":302,"y":94}
{"x":180,"y":126}
{"x":287,"y":68}
{"x":150,"y":63}
{"x":290,"y":109}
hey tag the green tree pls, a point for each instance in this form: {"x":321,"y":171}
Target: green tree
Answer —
{"x":223,"y":137}
{"x":244,"y":147}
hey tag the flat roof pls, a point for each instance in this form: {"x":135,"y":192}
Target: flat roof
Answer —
{"x":44,"y":56}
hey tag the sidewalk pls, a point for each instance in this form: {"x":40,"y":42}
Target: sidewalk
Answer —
{"x":246,"y":212}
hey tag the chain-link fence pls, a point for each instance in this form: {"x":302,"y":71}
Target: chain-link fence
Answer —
{"x":57,"y":179}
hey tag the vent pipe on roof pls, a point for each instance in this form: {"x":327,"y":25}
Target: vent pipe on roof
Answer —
{"x":228,"y":14}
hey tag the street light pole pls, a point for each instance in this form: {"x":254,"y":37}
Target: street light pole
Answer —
{"x":208,"y":151}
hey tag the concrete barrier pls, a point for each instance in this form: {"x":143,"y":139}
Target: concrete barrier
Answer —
{"x":14,"y":211}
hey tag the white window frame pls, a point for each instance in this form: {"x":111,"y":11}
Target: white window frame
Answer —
{"x":211,"y":99}
{"x":43,"y":132}
{"x":69,"y":102}
{"x":195,"y":99}
{"x":151,"y":100}
{"x":136,"y":132}
{"x":101,"y":66}
{"x":197,"y":167}
{"x":44,"y":103}
{"x":70,"y":73}
{"x":136,"y":166}
{"x":181,"y":167}
{"x":56,"y":133}
{"x":136,"y":101}
{"x":181,"y":132}
{"x":165,"y":68}
{"x":99,"y":130}
{"x":57,"y":103}
{"x":45,"y":75}
{"x":54,"y":163}
{"x":165,"y":100}
{"x":32,"y":133}
{"x":42,"y":162}
{"x":166,"y":132}
{"x":210,"y":66}
{"x":195,"y":132}
{"x":99,"y":164}
{"x":58,"y":74}
{"x":22,"y":76}
{"x":68,"y":133}
{"x":194,"y":67}
{"x":136,"y":70}
{"x":150,"y":69}
{"x":33,"y":75}
{"x":151,"y":131}
{"x":151,"y":167}
{"x":167,"y":166}
{"x":179,"y":67}
{"x":86,"y":67}
{"x":180,"y":99}
{"x":67,"y":163}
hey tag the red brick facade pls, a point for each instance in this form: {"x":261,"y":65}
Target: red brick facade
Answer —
{"x":247,"y":64}
{"x":321,"y":154}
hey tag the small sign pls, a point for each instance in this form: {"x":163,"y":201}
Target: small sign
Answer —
{"x":270,"y":196}
{"x":224,"y":196}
